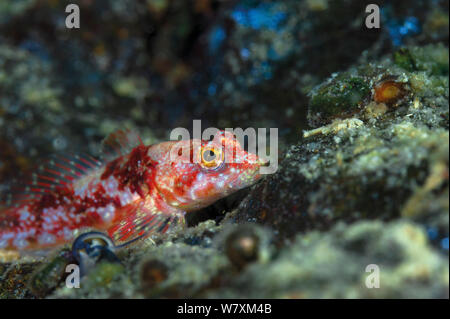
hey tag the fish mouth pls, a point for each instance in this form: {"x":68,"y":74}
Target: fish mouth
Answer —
{"x":247,"y":179}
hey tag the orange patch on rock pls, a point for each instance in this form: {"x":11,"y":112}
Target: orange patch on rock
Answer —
{"x":388,"y":92}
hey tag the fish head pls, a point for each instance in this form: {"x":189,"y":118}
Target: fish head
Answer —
{"x":199,"y":172}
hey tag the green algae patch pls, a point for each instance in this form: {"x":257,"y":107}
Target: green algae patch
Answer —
{"x":343,"y":95}
{"x":432,"y":59}
{"x":104,"y":274}
{"x":49,"y":276}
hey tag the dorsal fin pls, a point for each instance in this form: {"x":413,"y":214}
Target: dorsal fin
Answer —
{"x":56,"y":171}
{"x":119,"y":143}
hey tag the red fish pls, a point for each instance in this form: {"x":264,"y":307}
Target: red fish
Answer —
{"x":143,"y":189}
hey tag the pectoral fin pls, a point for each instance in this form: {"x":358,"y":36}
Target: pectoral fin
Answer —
{"x":144,"y":217}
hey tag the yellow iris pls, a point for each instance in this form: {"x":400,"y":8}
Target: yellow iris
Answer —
{"x":211,"y":157}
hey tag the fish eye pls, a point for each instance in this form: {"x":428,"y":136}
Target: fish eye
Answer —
{"x":211,"y":157}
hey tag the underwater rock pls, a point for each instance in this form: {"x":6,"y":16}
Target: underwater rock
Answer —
{"x":11,"y":9}
{"x":27,"y":95}
{"x":333,"y":264}
{"x":49,"y":275}
{"x":246,"y":244}
{"x":347,"y":93}
{"x":432,"y":59}
{"x":14,"y":280}
{"x":103,"y":275}
{"x":330,"y":177}
{"x":153,"y":272}
{"x":342,"y":96}
{"x":242,"y":247}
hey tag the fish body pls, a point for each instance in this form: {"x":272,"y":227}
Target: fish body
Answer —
{"x":143,"y":189}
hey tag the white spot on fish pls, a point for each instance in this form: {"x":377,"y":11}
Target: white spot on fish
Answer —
{"x":46,"y":238}
{"x":20,"y":243}
{"x":67,"y":233}
{"x":3,"y":243}
{"x":106,"y":213}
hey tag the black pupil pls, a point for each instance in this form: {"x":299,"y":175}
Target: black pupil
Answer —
{"x":209,"y":156}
